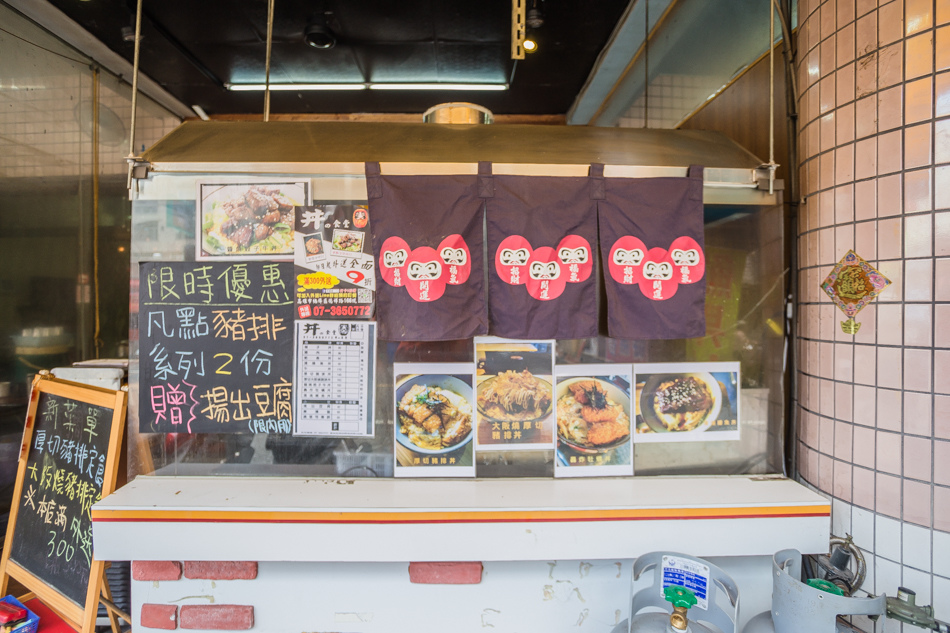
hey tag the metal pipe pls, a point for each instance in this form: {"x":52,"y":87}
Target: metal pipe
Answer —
{"x":862,"y":567}
{"x":135,"y":90}
{"x":772,"y":164}
{"x":270,"y":41}
{"x":96,"y":341}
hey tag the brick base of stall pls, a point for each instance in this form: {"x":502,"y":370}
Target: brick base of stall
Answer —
{"x":205,"y":617}
{"x":238,"y":617}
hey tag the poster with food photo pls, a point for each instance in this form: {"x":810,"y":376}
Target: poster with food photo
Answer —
{"x":593,"y":408}
{"x":333,"y":261}
{"x":686,"y":402}
{"x":514,"y":394}
{"x":247,"y":218}
{"x":434,"y":406}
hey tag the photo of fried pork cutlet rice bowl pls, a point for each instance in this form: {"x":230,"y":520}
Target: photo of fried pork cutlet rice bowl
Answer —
{"x":434,"y":413}
{"x":593,"y":415}
{"x":676,"y":403}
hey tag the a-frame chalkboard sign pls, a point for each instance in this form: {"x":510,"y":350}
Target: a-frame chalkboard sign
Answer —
{"x":67,"y":462}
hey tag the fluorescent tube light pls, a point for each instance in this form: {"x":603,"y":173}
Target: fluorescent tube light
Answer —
{"x":370,"y":86}
{"x":260,"y":87}
{"x":439,"y":86}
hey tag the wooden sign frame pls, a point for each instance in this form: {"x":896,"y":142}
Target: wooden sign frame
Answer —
{"x":81,"y":618}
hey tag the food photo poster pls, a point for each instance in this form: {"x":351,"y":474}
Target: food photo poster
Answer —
{"x":333,"y":261}
{"x":247,"y":218}
{"x":434,"y":407}
{"x":514,"y":394}
{"x":593,"y":409}
{"x":686,"y":402}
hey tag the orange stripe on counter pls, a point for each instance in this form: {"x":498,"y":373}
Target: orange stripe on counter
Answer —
{"x":494,"y":516}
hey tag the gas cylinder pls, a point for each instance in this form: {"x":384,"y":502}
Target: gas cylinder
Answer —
{"x":692,"y":587}
{"x":813,"y":605}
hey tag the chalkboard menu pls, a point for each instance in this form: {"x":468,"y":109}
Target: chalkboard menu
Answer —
{"x":216,"y":347}
{"x":67,"y":463}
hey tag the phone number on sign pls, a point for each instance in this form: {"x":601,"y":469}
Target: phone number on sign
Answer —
{"x":341,"y":310}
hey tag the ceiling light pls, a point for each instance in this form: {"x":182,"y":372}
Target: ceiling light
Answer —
{"x":261,"y":87}
{"x":438,"y":86}
{"x":319,"y":36}
{"x":369,"y":86}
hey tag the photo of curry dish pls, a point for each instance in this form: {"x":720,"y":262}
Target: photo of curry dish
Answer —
{"x":587,"y":416}
{"x":256,"y":220}
{"x":434,"y":418}
{"x":513,"y":396}
{"x":682,"y":404}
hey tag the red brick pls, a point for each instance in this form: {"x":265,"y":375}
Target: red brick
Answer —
{"x":227,"y":570}
{"x":160,"y":616}
{"x":217,"y":617}
{"x":156,"y":570}
{"x":445,"y":573}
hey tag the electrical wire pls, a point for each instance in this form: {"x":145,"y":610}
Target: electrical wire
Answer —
{"x":84,"y":62}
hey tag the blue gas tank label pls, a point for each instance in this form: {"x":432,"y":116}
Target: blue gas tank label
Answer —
{"x":687,"y":573}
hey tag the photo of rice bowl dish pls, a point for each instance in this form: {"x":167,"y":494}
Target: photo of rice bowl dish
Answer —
{"x":434,"y":413}
{"x":347,"y":241}
{"x":313,"y":244}
{"x":593,"y":415}
{"x":241,"y":219}
{"x":676,"y":403}
{"x":514,"y":396}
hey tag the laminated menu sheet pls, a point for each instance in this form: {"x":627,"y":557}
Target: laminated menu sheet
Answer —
{"x":434,"y":409}
{"x":594,"y":420}
{"x":334,"y":378}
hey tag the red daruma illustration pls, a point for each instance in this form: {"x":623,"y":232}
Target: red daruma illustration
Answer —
{"x":658,"y":282}
{"x":425,"y":274}
{"x":511,"y":259}
{"x":688,"y":259}
{"x":626,"y":260}
{"x":456,"y":259}
{"x":547,"y":276}
{"x":574,"y":253}
{"x":392,"y":261}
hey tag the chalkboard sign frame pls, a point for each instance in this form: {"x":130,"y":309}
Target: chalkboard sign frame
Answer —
{"x":81,"y":618}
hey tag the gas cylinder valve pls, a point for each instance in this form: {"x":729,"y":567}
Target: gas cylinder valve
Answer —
{"x":682,"y":599}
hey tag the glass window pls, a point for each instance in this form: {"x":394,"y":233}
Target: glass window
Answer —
{"x":745,"y":324}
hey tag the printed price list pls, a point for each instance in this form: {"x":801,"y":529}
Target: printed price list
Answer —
{"x":334,"y":378}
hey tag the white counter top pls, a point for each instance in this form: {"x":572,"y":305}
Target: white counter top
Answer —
{"x":290,"y":519}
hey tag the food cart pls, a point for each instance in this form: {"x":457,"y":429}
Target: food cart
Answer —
{"x":234,"y":521}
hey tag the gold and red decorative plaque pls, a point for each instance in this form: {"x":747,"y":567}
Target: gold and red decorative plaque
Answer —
{"x":852,"y":285}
